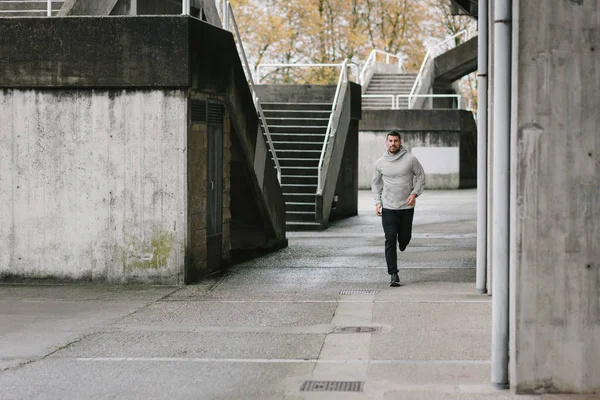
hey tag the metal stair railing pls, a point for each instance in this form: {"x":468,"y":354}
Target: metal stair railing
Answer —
{"x":48,"y":7}
{"x":227,"y":17}
{"x":372,"y":59}
{"x":431,"y":53}
{"x":330,"y":131}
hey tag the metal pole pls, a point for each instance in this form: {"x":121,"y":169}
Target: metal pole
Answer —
{"x":49,"y":8}
{"x":482,"y":89}
{"x":501,"y":180}
{"x":133,"y":10}
{"x":226,"y":15}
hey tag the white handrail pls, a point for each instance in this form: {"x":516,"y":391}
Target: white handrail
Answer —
{"x":429,"y":56}
{"x":458,"y":97}
{"x":257,"y":104}
{"x":343,"y":78}
{"x":49,"y":8}
{"x":307,"y":65}
{"x":396,"y":98}
{"x":367,"y":70}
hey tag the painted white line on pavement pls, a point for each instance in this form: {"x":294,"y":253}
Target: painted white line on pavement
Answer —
{"x":279,"y":360}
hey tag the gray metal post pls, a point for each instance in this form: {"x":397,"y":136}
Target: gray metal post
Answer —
{"x":501,"y":181}
{"x":49,"y":8}
{"x":133,"y":10}
{"x":482,"y":88}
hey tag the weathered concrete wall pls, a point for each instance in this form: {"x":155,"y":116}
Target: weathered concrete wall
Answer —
{"x":119,"y":52}
{"x":347,"y":182}
{"x":555,"y":320}
{"x":442,"y":140}
{"x":92,"y":185}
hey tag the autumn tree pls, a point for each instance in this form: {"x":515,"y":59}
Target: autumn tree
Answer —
{"x":329,"y":31}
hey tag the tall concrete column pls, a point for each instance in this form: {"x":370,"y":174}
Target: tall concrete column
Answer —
{"x":482,"y":79}
{"x":500,"y":176}
{"x":490,"y":134}
{"x":555,"y":321}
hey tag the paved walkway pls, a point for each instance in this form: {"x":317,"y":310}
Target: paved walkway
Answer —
{"x":271,"y":326}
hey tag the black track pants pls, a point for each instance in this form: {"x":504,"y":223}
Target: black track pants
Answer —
{"x":397,"y":226}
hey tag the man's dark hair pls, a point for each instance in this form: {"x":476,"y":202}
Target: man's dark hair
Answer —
{"x":394,"y":133}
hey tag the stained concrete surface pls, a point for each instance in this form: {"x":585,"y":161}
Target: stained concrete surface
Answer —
{"x":266,"y":326}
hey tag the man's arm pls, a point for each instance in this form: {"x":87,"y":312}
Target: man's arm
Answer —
{"x":376,"y":189}
{"x":419,"y":180}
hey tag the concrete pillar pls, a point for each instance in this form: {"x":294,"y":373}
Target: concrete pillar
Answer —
{"x":555,"y":318}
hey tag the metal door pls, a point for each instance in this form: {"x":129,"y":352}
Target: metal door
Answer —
{"x":214,"y":185}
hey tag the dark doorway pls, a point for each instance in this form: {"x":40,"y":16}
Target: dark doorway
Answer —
{"x":214,"y":186}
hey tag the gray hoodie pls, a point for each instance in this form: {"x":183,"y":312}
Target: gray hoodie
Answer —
{"x":397,"y":176}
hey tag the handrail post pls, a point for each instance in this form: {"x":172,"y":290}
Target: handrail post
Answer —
{"x":49,"y":8}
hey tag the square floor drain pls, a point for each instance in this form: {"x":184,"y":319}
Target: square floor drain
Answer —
{"x":356,"y":329}
{"x":358,"y":291}
{"x":332,"y":386}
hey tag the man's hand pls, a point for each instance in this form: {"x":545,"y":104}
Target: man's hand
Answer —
{"x":378,"y":209}
{"x":412,"y":199}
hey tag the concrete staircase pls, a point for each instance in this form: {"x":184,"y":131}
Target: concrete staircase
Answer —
{"x":28,"y":8}
{"x":298,"y":131}
{"x":388,"y":84}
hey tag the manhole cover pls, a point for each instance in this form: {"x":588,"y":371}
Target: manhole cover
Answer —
{"x":358,"y":291}
{"x":332,"y":386}
{"x":356,"y":329}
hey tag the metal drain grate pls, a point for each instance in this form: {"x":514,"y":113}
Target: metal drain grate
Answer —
{"x":332,"y":386}
{"x":356,"y":329}
{"x":358,"y":291}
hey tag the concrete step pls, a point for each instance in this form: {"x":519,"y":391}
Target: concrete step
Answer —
{"x":299,"y":180}
{"x":295,"y":129}
{"x":298,"y":162}
{"x":297,"y":106}
{"x":305,"y":198}
{"x":395,"y":75}
{"x":300,"y":216}
{"x":299,"y":188}
{"x":303,"y":226}
{"x":388,"y":92}
{"x":287,"y":121}
{"x":297,"y":113}
{"x":292,"y":145}
{"x":299,"y":154}
{"x":298,"y":170}
{"x":297,"y":137}
{"x":298,"y":206}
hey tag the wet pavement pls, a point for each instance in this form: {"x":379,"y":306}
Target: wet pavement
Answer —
{"x":275,"y":327}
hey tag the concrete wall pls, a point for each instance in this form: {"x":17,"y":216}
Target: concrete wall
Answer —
{"x":90,"y":183}
{"x":108,"y":60}
{"x":442,"y":140}
{"x":555,"y":319}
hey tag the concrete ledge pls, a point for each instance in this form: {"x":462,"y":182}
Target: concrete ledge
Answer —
{"x":95,"y":52}
{"x":456,"y":63}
